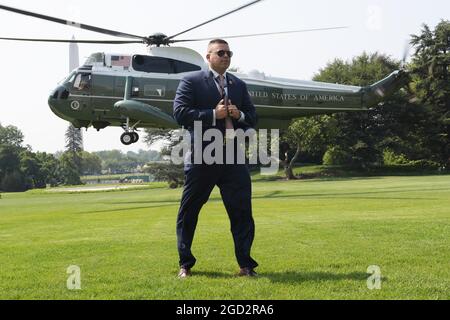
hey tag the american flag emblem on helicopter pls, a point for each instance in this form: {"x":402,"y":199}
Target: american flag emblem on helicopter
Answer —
{"x":120,"y":61}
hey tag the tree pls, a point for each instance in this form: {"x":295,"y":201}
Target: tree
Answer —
{"x":143,"y":156}
{"x":11,"y":178}
{"x":359,"y":133}
{"x":157,"y":135}
{"x":307,"y":135}
{"x":22,"y":169}
{"x":13,"y":182}
{"x":39,"y":169}
{"x":50,"y":168}
{"x":430,"y":65}
{"x":70,"y":169}
{"x":71,"y":159}
{"x":11,"y":135}
{"x":413,"y":131}
{"x":169,"y":172}
{"x":31,"y":168}
{"x":9,"y":158}
{"x":74,"y":139}
{"x":74,"y":145}
{"x":91,"y":163}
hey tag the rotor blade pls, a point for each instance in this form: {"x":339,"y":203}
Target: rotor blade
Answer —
{"x":405,"y":54}
{"x":71,"y":23}
{"x":216,"y":18}
{"x":259,"y":34}
{"x":75,"y":41}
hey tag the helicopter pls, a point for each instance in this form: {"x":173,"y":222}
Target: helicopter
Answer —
{"x":136,"y":91}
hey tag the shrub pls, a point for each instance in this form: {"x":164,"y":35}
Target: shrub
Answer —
{"x":391,"y":158}
{"x":173,"y":174}
{"x":13,"y":182}
{"x":336,"y":156}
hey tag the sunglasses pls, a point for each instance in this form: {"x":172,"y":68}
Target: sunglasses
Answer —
{"x":221,"y":53}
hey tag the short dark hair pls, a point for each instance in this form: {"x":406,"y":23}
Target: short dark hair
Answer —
{"x":217,"y":41}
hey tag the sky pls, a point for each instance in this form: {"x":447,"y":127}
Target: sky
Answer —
{"x":29,"y":71}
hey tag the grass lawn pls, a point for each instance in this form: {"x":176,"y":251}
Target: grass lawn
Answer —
{"x":315,"y":239}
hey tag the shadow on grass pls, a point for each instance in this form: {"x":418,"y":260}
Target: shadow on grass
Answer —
{"x":356,"y":195}
{"x":292,"y":276}
{"x":143,"y":202}
{"x":123,"y":209}
{"x":314,"y":178}
{"x":298,"y":276}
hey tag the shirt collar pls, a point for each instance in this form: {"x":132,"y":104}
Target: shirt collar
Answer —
{"x":216,"y":74}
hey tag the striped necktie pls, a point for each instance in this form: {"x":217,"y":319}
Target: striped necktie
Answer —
{"x":228,"y":120}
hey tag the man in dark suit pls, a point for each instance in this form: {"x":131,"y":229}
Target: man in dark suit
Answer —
{"x":219,"y":100}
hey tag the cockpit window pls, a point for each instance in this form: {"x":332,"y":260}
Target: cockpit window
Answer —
{"x":69,"y":78}
{"x":82,"y":82}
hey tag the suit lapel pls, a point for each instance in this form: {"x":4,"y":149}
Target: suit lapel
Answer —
{"x":209,"y":78}
{"x":212,"y":87}
{"x":231,"y":85}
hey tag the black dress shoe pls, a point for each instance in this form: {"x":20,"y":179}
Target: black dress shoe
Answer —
{"x":247,"y":272}
{"x":184,"y":273}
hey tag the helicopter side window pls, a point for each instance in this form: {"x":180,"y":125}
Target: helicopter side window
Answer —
{"x":161,"y":65}
{"x":82,"y":82}
{"x":152,"y":64}
{"x":181,"y":66}
{"x":154,"y":90}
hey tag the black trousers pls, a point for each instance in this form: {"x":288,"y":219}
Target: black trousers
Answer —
{"x":234,"y":183}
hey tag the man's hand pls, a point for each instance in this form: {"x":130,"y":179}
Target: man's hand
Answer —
{"x":233,"y":111}
{"x":221,"y":110}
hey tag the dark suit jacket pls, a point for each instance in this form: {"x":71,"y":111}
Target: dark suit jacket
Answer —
{"x":197,"y":96}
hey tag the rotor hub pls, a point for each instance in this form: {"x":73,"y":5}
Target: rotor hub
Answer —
{"x":157,"y":39}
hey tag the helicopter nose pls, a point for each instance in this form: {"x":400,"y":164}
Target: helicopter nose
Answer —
{"x":60,"y":93}
{"x":56,"y":98}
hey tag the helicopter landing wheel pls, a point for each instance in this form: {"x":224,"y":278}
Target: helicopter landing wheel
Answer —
{"x":127,"y":138}
{"x":135,"y":137}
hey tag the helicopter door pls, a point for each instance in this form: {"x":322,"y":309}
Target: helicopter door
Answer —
{"x":81,"y":90}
